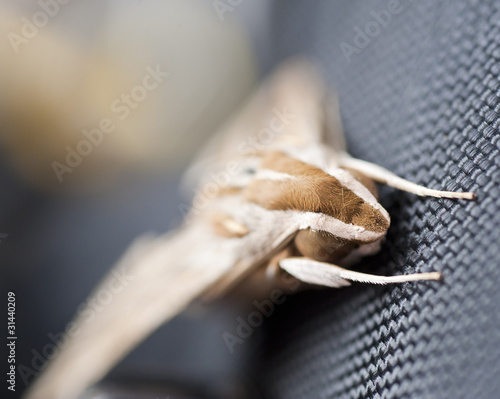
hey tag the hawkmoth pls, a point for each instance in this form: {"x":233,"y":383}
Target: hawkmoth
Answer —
{"x":281,"y":195}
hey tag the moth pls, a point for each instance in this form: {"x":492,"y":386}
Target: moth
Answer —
{"x":278,"y":193}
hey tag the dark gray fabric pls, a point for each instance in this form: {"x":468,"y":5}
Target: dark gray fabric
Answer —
{"x":422,"y":99}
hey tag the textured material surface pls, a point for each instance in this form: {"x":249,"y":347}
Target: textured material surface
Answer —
{"x":422,"y":98}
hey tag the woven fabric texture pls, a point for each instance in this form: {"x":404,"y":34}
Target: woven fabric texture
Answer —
{"x":420,"y":97}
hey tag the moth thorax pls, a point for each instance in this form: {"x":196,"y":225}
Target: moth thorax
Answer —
{"x":323,"y":246}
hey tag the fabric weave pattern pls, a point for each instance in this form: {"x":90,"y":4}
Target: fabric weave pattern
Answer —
{"x":422,"y":99}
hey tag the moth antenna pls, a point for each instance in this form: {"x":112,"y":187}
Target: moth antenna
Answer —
{"x":384,"y":176}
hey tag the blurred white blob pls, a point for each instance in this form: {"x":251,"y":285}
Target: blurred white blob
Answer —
{"x":101,"y":66}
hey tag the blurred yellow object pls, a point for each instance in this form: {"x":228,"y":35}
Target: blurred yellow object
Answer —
{"x":142,"y":96}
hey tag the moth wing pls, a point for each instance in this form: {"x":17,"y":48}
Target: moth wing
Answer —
{"x":333,"y":134}
{"x":287,"y":111}
{"x":168,"y":273}
{"x":154,"y":281}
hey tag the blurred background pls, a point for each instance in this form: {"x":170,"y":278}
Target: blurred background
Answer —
{"x":104,"y":103}
{"x":102,"y":106}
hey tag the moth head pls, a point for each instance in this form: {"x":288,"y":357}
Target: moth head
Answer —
{"x":363,"y":221}
{"x":337,"y":208}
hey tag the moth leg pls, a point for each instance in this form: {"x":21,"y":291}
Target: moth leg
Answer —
{"x":272,"y":276}
{"x":273,"y":269}
{"x":327,"y":274}
{"x":259,"y":284}
{"x":384,"y":176}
